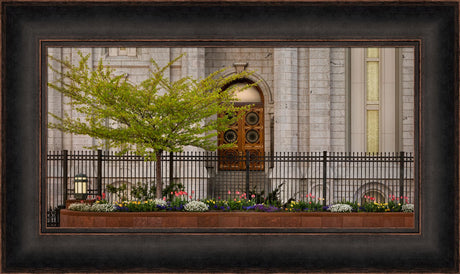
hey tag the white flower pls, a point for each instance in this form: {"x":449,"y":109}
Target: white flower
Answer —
{"x":159,"y":202}
{"x":340,"y":208}
{"x":93,"y":208}
{"x":407,"y":208}
{"x":102,"y":208}
{"x":79,"y":207}
{"x":196,"y":206}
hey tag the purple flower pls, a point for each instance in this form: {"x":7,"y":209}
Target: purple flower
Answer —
{"x":264,"y":208}
{"x":122,"y":208}
{"x":161,"y":207}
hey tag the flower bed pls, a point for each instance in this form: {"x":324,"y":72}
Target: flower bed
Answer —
{"x":182,"y":202}
{"x":180,"y":211}
{"x":235,"y":219}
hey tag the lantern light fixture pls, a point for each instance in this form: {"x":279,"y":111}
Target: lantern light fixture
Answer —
{"x":81,"y":186}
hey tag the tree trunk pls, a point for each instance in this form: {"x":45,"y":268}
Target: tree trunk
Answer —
{"x":159,"y":183}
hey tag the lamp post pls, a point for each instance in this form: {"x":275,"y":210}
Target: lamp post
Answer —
{"x":81,"y":186}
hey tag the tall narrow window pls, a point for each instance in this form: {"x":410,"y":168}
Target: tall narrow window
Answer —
{"x":372,"y":100}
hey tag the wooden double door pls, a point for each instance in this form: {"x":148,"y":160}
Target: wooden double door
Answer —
{"x":248,"y":136}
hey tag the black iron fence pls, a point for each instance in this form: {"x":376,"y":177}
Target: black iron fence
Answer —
{"x":328,"y":176}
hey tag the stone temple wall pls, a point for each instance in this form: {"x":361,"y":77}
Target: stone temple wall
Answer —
{"x":305,"y":90}
{"x":305,"y":96}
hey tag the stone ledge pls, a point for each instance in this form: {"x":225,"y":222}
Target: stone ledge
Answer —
{"x":235,"y":220}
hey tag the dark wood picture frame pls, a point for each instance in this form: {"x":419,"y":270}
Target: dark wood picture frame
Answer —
{"x":28,"y":27}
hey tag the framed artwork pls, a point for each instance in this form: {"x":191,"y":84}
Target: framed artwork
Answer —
{"x":428,"y":31}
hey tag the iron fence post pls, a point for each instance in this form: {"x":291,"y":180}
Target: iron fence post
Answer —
{"x":324,"y":176}
{"x":65,"y":172}
{"x":99,"y":172}
{"x":272,"y":159}
{"x":401,"y":174}
{"x":247,"y":172}
{"x":171,"y":165}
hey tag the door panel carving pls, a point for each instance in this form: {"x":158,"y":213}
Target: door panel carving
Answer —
{"x":248,"y":136}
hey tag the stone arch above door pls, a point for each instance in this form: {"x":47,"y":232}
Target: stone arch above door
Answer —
{"x":262,"y":85}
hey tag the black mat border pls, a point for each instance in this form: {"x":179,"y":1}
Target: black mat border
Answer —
{"x":434,"y":24}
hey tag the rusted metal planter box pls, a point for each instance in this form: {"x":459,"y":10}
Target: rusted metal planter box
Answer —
{"x":235,"y":220}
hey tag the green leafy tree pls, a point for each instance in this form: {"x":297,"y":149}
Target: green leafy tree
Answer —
{"x":155,"y":116}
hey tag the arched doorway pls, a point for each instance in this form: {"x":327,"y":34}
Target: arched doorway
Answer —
{"x":247,"y":133}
